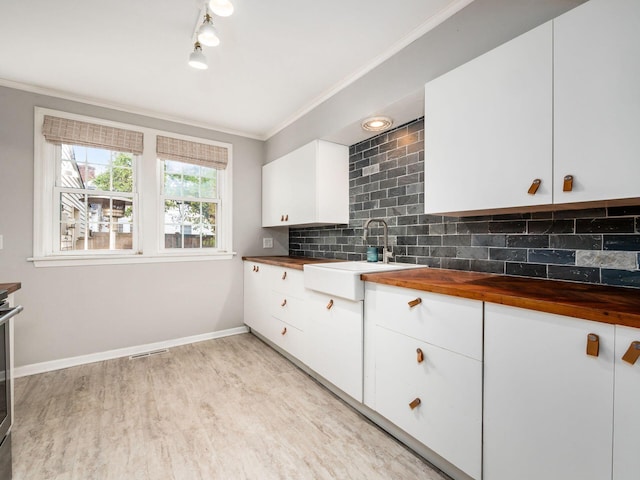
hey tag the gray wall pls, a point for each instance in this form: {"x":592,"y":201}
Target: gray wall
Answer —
{"x":476,"y":29}
{"x":386,"y":179}
{"x":72,"y":311}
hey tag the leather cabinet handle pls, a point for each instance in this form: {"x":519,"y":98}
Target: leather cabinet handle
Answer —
{"x":420,"y":357}
{"x":415,"y":403}
{"x":415,"y":302}
{"x":535,"y":185}
{"x":632,"y":354}
{"x":284,"y":331}
{"x":284,"y":302}
{"x":282,"y":218}
{"x":286,"y":217}
{"x":330,"y":304}
{"x":593,"y":345}
{"x":284,"y":275}
{"x":567,"y":184}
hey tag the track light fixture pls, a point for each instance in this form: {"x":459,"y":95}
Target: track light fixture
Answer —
{"x":197,"y":58}
{"x":222,"y":8}
{"x":207,"y":34}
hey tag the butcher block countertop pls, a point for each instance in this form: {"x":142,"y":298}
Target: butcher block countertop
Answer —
{"x":11,"y":287}
{"x":289,"y":262}
{"x":616,"y":305}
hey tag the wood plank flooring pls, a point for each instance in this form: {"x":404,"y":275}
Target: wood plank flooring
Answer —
{"x":230,"y":408}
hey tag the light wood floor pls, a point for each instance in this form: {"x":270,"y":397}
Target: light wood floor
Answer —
{"x":229,"y":408}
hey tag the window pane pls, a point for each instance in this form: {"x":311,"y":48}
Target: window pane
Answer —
{"x":95,"y":222}
{"x":73,"y":221}
{"x":173,"y":184}
{"x":189,"y":224}
{"x":187,"y":180}
{"x":208,"y":187}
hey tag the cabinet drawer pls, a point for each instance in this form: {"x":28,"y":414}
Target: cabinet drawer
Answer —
{"x":289,"y":309}
{"x":448,"y":322}
{"x":448,"y":419}
{"x":287,"y":337}
{"x":288,"y":281}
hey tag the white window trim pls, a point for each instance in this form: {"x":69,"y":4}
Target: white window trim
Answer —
{"x":150,"y":211}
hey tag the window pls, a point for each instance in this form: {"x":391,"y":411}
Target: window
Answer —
{"x":94,"y":195}
{"x":95,"y":187}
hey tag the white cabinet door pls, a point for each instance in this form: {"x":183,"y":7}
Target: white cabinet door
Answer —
{"x":256,"y":295}
{"x":309,"y":186}
{"x":488,"y":129}
{"x":448,"y":418}
{"x":335,"y":332}
{"x":626,"y":412}
{"x":288,"y":189}
{"x":597,"y":101}
{"x":548,"y":406}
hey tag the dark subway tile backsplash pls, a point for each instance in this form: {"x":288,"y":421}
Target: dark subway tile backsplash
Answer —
{"x":595,"y":245}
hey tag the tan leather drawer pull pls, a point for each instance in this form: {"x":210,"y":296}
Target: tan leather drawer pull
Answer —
{"x":257,"y":268}
{"x":420,"y":355}
{"x":567,"y":184}
{"x":254,"y":268}
{"x":535,"y":185}
{"x":330,"y":304}
{"x":632,"y":354}
{"x":415,"y":403}
{"x":593,"y":345}
{"x":284,"y":275}
{"x":284,"y":331}
{"x":415,"y":302}
{"x":284,"y":302}
{"x":286,"y":217}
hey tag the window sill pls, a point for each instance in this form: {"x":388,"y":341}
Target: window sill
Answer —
{"x":114,"y":259}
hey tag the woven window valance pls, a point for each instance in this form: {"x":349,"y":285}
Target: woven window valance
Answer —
{"x":185,"y":151}
{"x":62,"y":130}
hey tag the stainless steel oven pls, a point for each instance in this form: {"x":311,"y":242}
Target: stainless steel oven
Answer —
{"x":6,"y":313}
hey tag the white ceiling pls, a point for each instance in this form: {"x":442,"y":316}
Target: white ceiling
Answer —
{"x":278,"y":59}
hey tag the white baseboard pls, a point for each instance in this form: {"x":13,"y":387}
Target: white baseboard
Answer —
{"x":42,"y":367}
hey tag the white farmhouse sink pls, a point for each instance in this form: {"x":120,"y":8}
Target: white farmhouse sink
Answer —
{"x":342,"y":279}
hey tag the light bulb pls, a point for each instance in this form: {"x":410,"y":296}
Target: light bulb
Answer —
{"x":223,"y":8}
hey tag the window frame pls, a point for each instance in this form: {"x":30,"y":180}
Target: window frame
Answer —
{"x":148,"y":222}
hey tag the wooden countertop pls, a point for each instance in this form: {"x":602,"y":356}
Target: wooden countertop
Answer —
{"x":289,"y":262}
{"x":616,"y":305}
{"x":11,"y":287}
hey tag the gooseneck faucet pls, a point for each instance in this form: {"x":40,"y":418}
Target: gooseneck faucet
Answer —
{"x":386,"y":252}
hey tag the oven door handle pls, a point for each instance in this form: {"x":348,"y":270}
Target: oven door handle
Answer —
{"x":10,"y":313}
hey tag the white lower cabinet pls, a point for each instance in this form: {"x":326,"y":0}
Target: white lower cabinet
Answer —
{"x":626,"y":427}
{"x":421,"y":375}
{"x":548,"y":405}
{"x":437,"y":400}
{"x":274,"y":306}
{"x":335,"y":332}
{"x":256,"y":279}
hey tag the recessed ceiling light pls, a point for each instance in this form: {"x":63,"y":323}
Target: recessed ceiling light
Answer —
{"x":376,"y":124}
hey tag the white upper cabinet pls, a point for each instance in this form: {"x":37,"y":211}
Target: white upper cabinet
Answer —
{"x":597,"y":101}
{"x":488,"y":129}
{"x":309,"y":186}
{"x":559,"y":104}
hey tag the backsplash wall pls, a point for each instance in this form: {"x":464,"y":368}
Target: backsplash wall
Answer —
{"x":386,"y":180}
